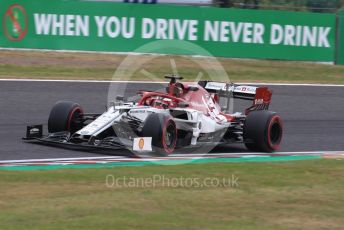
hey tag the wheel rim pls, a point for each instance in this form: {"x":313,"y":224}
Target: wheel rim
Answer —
{"x":73,"y":123}
{"x":169,"y":137}
{"x":275,"y":133}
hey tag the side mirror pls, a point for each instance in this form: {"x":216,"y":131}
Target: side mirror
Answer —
{"x":193,"y":88}
{"x":183,"y":104}
{"x":119,"y":98}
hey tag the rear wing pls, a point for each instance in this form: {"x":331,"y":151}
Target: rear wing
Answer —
{"x":261,"y":96}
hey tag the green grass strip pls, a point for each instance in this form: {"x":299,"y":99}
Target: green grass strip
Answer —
{"x":162,"y":162}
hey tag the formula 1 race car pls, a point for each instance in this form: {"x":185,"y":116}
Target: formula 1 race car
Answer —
{"x":162,"y":122}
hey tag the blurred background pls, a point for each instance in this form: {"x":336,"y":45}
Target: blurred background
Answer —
{"x":320,"y":6}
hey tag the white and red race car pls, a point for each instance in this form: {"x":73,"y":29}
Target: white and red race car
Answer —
{"x":163,"y":122}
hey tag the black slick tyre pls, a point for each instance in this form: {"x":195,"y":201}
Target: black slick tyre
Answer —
{"x":65,"y":116}
{"x":263,"y":131}
{"x":162,"y":129}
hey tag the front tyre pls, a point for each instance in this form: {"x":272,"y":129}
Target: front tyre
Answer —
{"x":163,"y":130}
{"x":263,"y":131}
{"x":65,"y":116}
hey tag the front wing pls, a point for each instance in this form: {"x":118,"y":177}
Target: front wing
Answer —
{"x":34,"y":134}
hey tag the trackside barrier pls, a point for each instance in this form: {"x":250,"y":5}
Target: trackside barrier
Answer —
{"x":121,"y":27}
{"x":340,"y":39}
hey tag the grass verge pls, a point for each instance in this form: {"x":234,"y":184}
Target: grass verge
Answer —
{"x":91,"y":66}
{"x":284,"y":195}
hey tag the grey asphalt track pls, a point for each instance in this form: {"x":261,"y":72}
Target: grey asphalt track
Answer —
{"x":313,"y":116}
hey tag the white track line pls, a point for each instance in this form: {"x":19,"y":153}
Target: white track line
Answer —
{"x":163,"y":82}
{"x":176,"y":156}
{"x":259,"y":153}
{"x":61,"y":159}
{"x":81,"y":81}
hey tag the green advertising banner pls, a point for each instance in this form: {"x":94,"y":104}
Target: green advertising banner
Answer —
{"x":340,"y":39}
{"x":120,"y":27}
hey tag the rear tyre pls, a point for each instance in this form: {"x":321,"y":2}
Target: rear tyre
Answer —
{"x":65,"y":116}
{"x":163,"y":130}
{"x":263,"y":131}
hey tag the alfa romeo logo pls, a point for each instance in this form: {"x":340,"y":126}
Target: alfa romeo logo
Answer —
{"x":15,"y":23}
